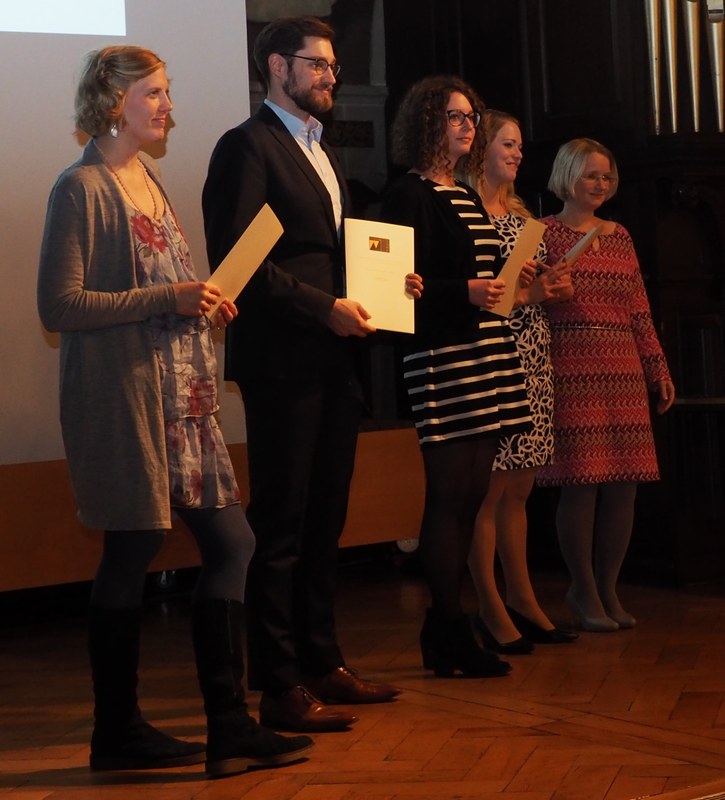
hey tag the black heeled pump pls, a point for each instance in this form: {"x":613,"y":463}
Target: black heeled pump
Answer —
{"x":535,"y":633}
{"x":516,"y":647}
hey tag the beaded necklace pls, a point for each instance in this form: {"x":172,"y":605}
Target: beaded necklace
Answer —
{"x":123,"y":185}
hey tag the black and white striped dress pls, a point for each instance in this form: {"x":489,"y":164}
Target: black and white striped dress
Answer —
{"x":475,"y":387}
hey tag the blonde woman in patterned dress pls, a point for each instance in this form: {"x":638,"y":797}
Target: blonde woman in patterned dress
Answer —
{"x":137,"y":399}
{"x":501,"y":526}
{"x":606,"y":355}
{"x":462,"y":371}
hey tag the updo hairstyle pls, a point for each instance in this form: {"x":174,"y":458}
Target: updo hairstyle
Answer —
{"x":106,"y":76}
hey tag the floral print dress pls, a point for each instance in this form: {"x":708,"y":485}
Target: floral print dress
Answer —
{"x":200,"y":470}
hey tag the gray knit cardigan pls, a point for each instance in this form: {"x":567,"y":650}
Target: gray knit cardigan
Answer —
{"x":110,"y":394}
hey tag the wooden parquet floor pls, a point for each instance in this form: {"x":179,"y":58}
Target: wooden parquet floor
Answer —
{"x":635,"y":714}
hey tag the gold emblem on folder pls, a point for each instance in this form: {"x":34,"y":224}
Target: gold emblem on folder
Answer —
{"x":379,"y":245}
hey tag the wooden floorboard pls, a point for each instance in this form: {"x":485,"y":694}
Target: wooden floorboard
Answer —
{"x":634,"y":714}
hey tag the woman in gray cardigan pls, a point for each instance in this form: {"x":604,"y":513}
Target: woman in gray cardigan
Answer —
{"x":137,"y":398}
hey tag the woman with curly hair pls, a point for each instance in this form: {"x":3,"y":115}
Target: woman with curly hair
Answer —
{"x":461,"y":368}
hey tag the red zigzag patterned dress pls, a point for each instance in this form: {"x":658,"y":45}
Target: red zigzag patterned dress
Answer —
{"x":605,"y":353}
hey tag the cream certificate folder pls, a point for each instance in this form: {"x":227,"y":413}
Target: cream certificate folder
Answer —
{"x":378,"y":256}
{"x":242,"y":261}
{"x":525,"y":248}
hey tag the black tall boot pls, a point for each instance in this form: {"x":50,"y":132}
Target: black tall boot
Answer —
{"x":448,"y":644}
{"x":122,"y":739}
{"x":235,"y":740}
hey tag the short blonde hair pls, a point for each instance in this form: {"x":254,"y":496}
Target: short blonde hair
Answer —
{"x":106,"y":76}
{"x":570,"y":163}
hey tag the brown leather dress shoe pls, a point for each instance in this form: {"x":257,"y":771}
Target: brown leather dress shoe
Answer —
{"x":297,"y":709}
{"x":344,"y":686}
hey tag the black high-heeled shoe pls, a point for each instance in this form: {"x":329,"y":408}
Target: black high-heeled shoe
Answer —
{"x":516,"y":647}
{"x":448,"y":646}
{"x":535,"y":633}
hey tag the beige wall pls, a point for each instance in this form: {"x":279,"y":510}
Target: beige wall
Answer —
{"x":42,"y":543}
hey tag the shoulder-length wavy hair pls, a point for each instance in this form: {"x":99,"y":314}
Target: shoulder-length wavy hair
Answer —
{"x":493,"y":121}
{"x":570,"y":163}
{"x":106,"y":76}
{"x":418,"y":134}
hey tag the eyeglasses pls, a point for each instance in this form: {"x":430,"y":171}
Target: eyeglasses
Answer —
{"x":320,"y":65}
{"x":456,"y":118}
{"x":593,"y":177}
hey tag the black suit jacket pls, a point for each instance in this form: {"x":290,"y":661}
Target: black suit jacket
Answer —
{"x":280,"y":331}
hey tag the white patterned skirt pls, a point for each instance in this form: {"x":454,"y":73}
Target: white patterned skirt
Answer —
{"x":534,"y":448}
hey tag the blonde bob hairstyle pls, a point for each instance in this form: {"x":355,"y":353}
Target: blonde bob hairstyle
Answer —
{"x":106,"y":76}
{"x":570,"y":163}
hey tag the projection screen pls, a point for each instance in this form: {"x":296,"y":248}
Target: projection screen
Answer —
{"x":204,"y":45}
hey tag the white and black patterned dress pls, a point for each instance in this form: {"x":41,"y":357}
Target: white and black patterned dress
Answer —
{"x":476,"y":386}
{"x":531,"y":330}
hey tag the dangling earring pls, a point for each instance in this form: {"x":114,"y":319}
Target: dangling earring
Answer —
{"x":114,"y":131}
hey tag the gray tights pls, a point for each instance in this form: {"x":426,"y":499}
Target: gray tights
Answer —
{"x":594,"y":524}
{"x":225,"y":542}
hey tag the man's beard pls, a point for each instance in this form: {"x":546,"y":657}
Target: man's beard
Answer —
{"x":310,"y":101}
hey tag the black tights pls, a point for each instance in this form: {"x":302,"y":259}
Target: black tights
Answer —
{"x":457,"y":475}
{"x":225,"y":542}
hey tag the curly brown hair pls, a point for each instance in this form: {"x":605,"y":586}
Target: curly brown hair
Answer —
{"x":418,"y":133}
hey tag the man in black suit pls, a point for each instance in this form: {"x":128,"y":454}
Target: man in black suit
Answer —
{"x":291,"y":352}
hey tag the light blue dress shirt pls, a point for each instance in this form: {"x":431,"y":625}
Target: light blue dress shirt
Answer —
{"x":308,"y":135}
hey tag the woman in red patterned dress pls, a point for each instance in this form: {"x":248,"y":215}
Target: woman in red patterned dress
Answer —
{"x":606,"y":355}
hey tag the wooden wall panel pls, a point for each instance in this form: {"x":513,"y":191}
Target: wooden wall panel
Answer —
{"x":43,"y":544}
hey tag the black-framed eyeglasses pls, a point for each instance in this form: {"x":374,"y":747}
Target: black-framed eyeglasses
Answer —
{"x":455,"y":118}
{"x":320,"y":65}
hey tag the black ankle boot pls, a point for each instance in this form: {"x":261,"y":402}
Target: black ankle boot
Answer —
{"x":449,"y":645}
{"x":122,"y":739}
{"x":137,"y":745}
{"x":429,"y":637}
{"x":235,"y":740}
